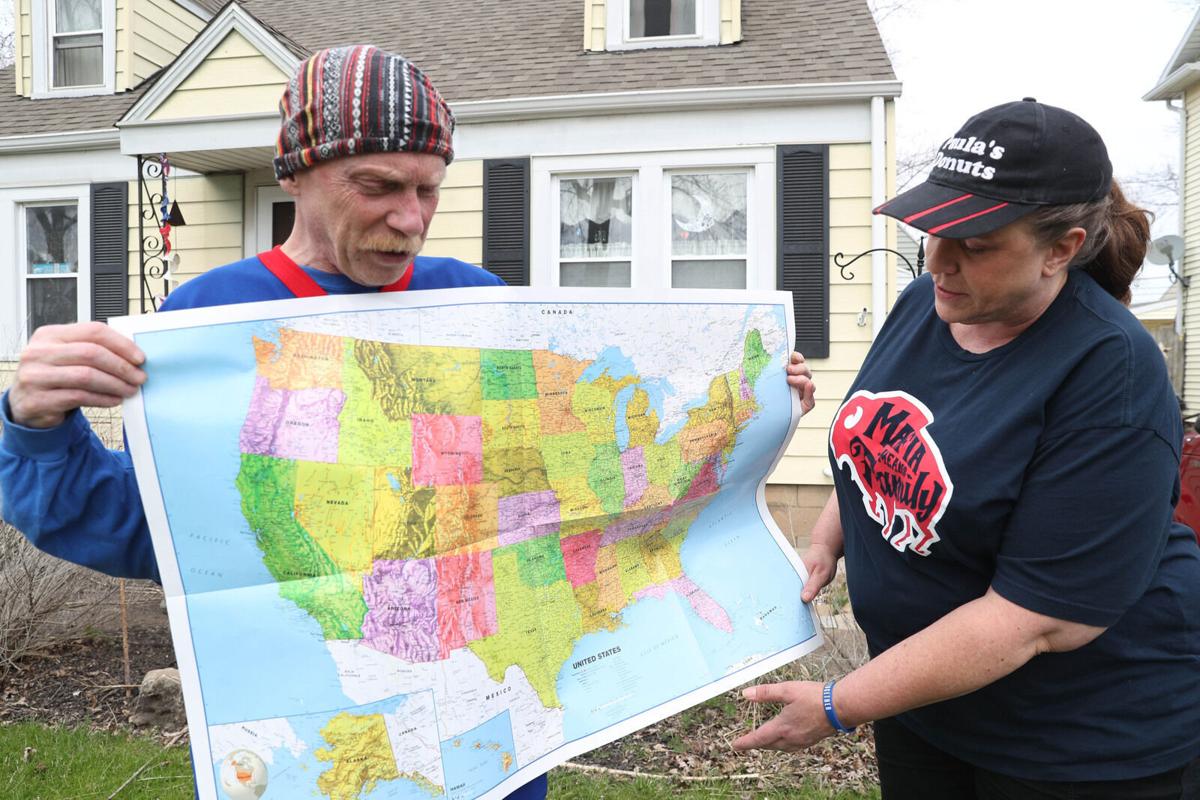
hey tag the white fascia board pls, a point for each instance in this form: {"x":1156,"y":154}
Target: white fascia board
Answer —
{"x":195,"y":8}
{"x":207,"y":133}
{"x":651,"y":100}
{"x":1173,"y":63}
{"x":1174,"y":84}
{"x":52,"y":142}
{"x":231,"y":19}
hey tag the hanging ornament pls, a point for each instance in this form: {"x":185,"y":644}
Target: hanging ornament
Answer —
{"x":164,"y":229}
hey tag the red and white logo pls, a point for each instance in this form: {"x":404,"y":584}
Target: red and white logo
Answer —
{"x":884,"y":440}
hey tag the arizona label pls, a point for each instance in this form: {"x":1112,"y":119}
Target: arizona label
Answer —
{"x":883,"y":439}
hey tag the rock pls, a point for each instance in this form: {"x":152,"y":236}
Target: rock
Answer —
{"x":160,"y":701}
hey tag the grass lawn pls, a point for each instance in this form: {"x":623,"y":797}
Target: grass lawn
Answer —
{"x":39,"y":763}
{"x":80,"y":765}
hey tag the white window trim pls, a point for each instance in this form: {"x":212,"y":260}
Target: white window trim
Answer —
{"x":43,"y":52}
{"x":708,"y":25}
{"x":651,"y":267}
{"x":13,"y":292}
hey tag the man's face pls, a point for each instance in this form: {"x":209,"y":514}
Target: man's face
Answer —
{"x":367,"y":216}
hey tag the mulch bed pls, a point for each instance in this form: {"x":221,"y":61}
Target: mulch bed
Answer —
{"x":80,"y":683}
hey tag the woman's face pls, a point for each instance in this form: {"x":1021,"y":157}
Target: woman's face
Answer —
{"x":1005,"y":278}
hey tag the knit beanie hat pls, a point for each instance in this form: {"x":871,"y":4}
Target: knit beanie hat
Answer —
{"x":359,"y":99}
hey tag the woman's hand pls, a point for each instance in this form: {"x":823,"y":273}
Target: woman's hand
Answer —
{"x":821,"y":562}
{"x":800,"y":377}
{"x":801,"y":723}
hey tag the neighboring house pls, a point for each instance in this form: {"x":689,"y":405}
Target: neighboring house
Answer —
{"x":648,"y":143}
{"x":1179,"y":86}
{"x":1162,"y":318}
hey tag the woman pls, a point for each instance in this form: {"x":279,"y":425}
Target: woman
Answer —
{"x":1006,"y":464}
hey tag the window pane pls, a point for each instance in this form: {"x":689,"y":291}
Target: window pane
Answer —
{"x":596,"y":273}
{"x":76,"y":15}
{"x":708,"y":214}
{"x":78,"y":60}
{"x":52,"y":301}
{"x":51,"y":239}
{"x":661,"y":18}
{"x":708,"y":274}
{"x":596,"y":217}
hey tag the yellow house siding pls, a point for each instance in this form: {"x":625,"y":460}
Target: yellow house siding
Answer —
{"x":731,"y":21}
{"x":235,"y":78}
{"x":457,"y":228}
{"x":24,"y":48}
{"x":212,"y":206}
{"x":595,"y":18}
{"x":160,"y":31}
{"x":1191,"y":248}
{"x":849,"y":232}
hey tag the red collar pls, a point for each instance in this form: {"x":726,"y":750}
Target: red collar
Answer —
{"x":301,"y":283}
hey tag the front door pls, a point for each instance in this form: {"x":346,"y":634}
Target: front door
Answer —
{"x":276,"y":213}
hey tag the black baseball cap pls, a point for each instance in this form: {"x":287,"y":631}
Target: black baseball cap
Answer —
{"x":1002,"y":164}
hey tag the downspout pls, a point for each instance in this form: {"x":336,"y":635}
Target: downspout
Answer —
{"x":1181,"y":302}
{"x":879,"y":262}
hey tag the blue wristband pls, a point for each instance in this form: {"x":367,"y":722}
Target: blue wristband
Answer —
{"x":830,"y":714}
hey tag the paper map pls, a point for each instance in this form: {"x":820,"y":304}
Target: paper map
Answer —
{"x":433,"y":544}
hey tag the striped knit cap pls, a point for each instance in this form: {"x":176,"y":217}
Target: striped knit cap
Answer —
{"x":359,"y":99}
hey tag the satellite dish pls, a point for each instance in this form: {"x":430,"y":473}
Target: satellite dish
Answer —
{"x":1165,"y":250}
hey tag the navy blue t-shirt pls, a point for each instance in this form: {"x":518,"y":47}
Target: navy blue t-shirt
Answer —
{"x":1046,"y":469}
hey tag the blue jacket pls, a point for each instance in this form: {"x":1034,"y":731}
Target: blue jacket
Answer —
{"x":74,"y":498}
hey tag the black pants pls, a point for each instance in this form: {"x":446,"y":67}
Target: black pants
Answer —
{"x":912,"y":769}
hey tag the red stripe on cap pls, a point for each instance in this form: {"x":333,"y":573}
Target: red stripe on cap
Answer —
{"x":942,"y":227}
{"x":920,"y":214}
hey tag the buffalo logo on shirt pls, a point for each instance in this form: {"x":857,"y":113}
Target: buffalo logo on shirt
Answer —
{"x":884,"y":440}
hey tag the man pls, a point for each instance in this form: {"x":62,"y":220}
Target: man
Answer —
{"x":363,"y":148}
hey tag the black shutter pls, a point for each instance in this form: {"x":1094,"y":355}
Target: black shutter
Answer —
{"x":506,"y":219}
{"x":802,"y":231}
{"x":110,"y":250}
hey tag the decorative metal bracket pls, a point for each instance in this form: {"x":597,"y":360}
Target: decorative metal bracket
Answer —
{"x":152,"y":177}
{"x":916,"y":271}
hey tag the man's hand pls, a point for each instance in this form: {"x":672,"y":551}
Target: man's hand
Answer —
{"x":801,"y":723}
{"x":800,"y":377}
{"x":68,"y":366}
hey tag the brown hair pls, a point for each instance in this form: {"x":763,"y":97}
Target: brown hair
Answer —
{"x":1118,"y":233}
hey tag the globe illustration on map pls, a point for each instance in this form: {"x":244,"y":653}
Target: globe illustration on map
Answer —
{"x":243,"y":775}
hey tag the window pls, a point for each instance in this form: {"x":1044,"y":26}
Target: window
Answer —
{"x":77,"y":41}
{"x":73,"y":47}
{"x":595,"y":223}
{"x":650,"y":18}
{"x":636,"y":24}
{"x":708,"y":230}
{"x":691,"y":219}
{"x":51,"y":265}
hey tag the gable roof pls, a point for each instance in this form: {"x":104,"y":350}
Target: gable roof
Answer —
{"x":478,"y":50}
{"x":484,"y":50}
{"x":1182,"y":70}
